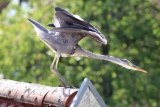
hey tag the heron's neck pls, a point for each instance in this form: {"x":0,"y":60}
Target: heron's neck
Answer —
{"x":82,"y":52}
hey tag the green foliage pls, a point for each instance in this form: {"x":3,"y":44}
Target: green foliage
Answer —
{"x":133,"y":32}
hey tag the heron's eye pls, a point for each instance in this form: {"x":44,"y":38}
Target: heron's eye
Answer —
{"x":130,"y":64}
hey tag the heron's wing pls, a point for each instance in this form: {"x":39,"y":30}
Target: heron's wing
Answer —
{"x":67,"y":19}
{"x":89,"y":34}
{"x":64,"y":19}
{"x":64,"y":11}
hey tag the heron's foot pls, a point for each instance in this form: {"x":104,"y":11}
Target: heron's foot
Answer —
{"x":60,"y":85}
{"x":70,"y":86}
{"x":67,"y":86}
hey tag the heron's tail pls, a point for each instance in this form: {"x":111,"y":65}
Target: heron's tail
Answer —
{"x":38,"y":27}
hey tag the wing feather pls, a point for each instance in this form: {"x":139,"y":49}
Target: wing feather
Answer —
{"x":89,"y":34}
{"x":65,"y":19}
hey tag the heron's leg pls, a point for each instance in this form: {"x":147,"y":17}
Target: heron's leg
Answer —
{"x":63,"y":80}
{"x":55,"y":71}
{"x":67,"y":84}
{"x":58,"y":56}
{"x":53,"y":62}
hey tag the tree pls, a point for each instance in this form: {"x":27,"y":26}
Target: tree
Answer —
{"x":132,"y":30}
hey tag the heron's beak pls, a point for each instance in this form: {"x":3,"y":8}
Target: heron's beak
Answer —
{"x":138,"y":69}
{"x":38,"y":27}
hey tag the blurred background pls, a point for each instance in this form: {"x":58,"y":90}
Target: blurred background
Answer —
{"x":132,"y":28}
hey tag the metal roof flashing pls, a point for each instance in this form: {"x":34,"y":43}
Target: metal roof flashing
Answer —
{"x":87,"y":96}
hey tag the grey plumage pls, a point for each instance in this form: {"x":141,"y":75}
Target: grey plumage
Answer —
{"x":63,"y":40}
{"x":64,"y":19}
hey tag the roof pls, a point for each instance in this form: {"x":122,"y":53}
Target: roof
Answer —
{"x":15,"y":93}
{"x":30,"y":94}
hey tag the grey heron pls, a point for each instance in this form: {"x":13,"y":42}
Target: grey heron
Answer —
{"x":64,"y":37}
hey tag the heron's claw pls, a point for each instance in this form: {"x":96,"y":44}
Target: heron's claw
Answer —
{"x":60,"y":85}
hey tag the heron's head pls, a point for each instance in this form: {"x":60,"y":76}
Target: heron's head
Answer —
{"x":127,"y":64}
